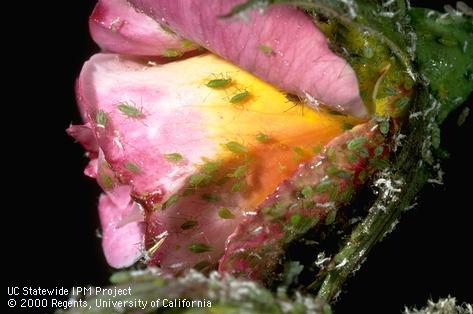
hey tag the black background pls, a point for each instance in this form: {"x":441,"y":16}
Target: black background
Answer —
{"x":51,"y":220}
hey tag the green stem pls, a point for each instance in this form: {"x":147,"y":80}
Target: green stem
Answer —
{"x":384,"y":212}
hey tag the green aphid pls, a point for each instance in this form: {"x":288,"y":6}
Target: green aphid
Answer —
{"x":346,"y":126}
{"x":225,"y":213}
{"x":106,"y":180}
{"x":219,"y":83}
{"x":389,"y":91}
{"x":352,"y":158}
{"x":323,"y":186}
{"x":239,"y":172}
{"x":402,"y":103}
{"x":307,"y":191}
{"x":210,"y":197}
{"x":132,"y":167}
{"x":173,"y":157}
{"x":363,"y":152}
{"x":302,"y":223}
{"x":346,"y":195}
{"x":331,"y":217}
{"x":199,"y":248}
{"x":171,"y":53}
{"x":295,"y":219}
{"x":275,"y":211}
{"x":378,"y":151}
{"x":331,"y":154}
{"x":130,"y":110}
{"x":356,"y":143}
{"x":339,"y":173}
{"x":237,"y":186}
{"x":333,"y":192}
{"x":211,"y":166}
{"x":189,"y":224}
{"x":101,"y":118}
{"x":198,"y":179}
{"x":263,"y":138}
{"x":186,"y":43}
{"x":368,"y":52}
{"x":299,"y":151}
{"x":317,"y":149}
{"x":236,"y":147}
{"x":239,"y":97}
{"x":171,"y":201}
{"x":267,"y":50}
{"x":384,"y":127}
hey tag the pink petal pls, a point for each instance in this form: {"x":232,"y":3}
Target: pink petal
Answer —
{"x":116,"y":26}
{"x":299,"y":62}
{"x":122,"y":243}
{"x":85,"y":136}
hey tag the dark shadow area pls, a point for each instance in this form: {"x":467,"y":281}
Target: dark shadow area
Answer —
{"x":52,"y":219}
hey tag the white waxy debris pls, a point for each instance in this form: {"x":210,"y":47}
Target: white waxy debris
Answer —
{"x":415,"y":115}
{"x":351,"y":7}
{"x":322,"y":260}
{"x":397,"y":141}
{"x":439,"y":179}
{"x":311,"y":102}
{"x":258,"y":229}
{"x":342,"y":263}
{"x":388,"y":3}
{"x":162,"y":235}
{"x":325,"y":205}
{"x":176,"y":265}
{"x":386,"y":14}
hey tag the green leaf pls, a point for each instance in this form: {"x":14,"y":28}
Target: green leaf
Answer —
{"x":444,"y":56}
